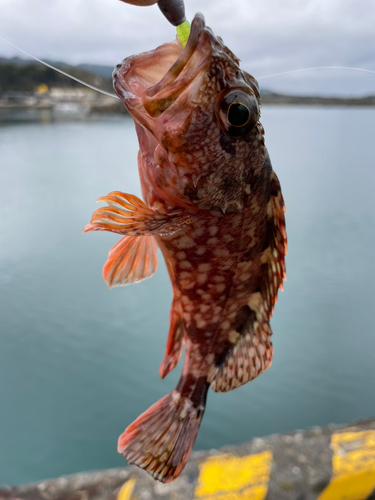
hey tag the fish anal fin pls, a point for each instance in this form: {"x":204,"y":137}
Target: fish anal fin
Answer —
{"x":175,"y":342}
{"x":161,"y":439}
{"x":129,"y":215}
{"x":131,"y":260}
{"x":250,"y":356}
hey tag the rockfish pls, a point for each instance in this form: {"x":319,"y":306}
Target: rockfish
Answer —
{"x":214,"y":207}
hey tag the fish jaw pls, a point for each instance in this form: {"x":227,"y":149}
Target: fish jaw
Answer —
{"x":175,"y":96}
{"x":150,"y":83}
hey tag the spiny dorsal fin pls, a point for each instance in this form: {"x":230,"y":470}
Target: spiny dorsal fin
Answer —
{"x":252,"y":351}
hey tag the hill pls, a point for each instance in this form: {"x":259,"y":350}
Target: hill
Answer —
{"x":24,"y":75}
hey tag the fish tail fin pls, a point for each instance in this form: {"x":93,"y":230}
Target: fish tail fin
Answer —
{"x":161,"y":439}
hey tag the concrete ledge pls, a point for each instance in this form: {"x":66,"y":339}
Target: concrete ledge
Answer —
{"x":329,"y":463}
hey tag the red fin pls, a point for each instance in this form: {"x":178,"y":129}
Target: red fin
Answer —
{"x":161,"y":439}
{"x":250,"y":356}
{"x":131,"y":260}
{"x":127,"y":214}
{"x":175,"y":342}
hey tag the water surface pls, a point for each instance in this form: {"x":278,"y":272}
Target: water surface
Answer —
{"x":79,"y":362}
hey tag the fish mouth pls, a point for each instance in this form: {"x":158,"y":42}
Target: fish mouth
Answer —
{"x":150,"y":83}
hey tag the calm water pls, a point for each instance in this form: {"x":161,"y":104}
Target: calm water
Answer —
{"x":79,"y":362}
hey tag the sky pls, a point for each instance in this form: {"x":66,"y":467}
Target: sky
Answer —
{"x":269,"y":36}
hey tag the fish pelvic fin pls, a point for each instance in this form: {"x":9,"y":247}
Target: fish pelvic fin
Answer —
{"x":129,"y":215}
{"x":131,"y":260}
{"x":175,"y":342}
{"x":161,"y":439}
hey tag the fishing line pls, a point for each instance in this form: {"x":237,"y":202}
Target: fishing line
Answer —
{"x":109,"y":94}
{"x":316,"y":68}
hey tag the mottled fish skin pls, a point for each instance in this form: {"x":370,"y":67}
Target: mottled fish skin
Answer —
{"x":226,"y":271}
{"x":214,"y":206}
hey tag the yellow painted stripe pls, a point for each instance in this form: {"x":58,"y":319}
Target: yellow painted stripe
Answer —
{"x":353,"y":466}
{"x":126,"y":490}
{"x":227,"y":477}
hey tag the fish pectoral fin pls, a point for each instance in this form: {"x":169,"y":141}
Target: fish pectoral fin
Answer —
{"x":131,"y":260}
{"x":127,"y":214}
{"x":249,"y":357}
{"x":175,"y":342}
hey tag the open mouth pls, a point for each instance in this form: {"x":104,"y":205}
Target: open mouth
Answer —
{"x":151,"y":82}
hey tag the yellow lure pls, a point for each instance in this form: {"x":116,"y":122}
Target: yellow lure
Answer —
{"x":183,"y":32}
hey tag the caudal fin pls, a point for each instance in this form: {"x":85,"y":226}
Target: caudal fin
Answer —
{"x":161,"y":439}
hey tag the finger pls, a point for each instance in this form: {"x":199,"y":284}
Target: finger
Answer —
{"x":142,"y":3}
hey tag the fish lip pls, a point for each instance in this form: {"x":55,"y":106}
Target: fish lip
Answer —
{"x":160,"y":96}
{"x":145,"y":99}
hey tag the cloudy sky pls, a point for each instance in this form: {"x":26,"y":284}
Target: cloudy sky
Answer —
{"x":269,"y":36}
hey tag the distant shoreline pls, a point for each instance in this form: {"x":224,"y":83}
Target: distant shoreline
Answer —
{"x":281,"y":99}
{"x":108,"y":105}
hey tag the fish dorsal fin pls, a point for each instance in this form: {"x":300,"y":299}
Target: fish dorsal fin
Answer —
{"x":250,"y":355}
{"x":132,"y":259}
{"x":252,"y":350}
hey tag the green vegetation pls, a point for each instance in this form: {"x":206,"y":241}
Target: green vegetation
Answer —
{"x":28,"y":77}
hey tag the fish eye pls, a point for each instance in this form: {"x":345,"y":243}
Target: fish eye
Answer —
{"x":237,"y":112}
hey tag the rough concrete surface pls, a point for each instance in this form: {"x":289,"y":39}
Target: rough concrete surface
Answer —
{"x":300,"y":468}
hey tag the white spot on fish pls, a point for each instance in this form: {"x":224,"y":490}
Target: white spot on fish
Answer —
{"x":255,"y":301}
{"x":175,"y":395}
{"x":213,"y":230}
{"x":201,"y":278}
{"x":210,"y":358}
{"x":200,"y":250}
{"x":221,"y":252}
{"x":198,"y":232}
{"x":204,"y":308}
{"x":261,"y":349}
{"x":185,"y":242}
{"x":245,"y":276}
{"x":204,"y":267}
{"x":185,"y":264}
{"x":218,"y":278}
{"x":233,"y":336}
{"x":186,"y":284}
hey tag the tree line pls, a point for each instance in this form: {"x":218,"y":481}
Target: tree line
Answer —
{"x":27,"y":78}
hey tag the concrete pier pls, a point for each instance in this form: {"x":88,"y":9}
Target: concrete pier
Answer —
{"x":329,"y":463}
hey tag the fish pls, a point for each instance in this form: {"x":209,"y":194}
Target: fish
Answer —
{"x":213,"y":205}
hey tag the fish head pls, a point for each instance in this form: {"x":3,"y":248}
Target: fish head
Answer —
{"x":198,"y":114}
